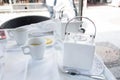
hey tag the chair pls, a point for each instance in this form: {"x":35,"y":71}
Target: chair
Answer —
{"x":21,"y":21}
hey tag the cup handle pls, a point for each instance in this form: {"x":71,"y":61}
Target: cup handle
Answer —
{"x":10,"y":33}
{"x":26,"y":50}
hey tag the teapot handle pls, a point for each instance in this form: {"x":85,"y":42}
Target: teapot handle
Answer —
{"x":81,"y":29}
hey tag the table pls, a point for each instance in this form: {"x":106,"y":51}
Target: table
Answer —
{"x":21,"y":67}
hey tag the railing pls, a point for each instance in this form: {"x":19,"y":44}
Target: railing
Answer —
{"x":20,"y":5}
{"x":2,"y":2}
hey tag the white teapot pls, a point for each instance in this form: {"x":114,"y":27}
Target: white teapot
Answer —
{"x":79,"y":48}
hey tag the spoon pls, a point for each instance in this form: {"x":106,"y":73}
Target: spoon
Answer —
{"x":97,"y":77}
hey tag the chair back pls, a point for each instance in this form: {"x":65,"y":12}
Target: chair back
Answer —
{"x":23,"y":20}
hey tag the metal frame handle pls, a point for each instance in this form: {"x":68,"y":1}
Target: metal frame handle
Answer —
{"x":80,"y":17}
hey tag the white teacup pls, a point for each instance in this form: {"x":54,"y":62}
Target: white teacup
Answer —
{"x":19,"y":34}
{"x":35,"y":47}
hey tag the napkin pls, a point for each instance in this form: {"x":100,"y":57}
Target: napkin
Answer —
{"x":44,"y":26}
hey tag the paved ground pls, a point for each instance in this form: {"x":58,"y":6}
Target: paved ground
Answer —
{"x":107,"y":40}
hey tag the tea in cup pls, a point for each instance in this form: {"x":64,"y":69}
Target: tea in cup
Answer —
{"x":34,"y":47}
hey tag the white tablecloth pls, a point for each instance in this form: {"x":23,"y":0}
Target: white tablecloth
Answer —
{"x":21,"y":67}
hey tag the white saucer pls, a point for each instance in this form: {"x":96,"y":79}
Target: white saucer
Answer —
{"x":12,"y":46}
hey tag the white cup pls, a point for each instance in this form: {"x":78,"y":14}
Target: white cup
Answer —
{"x":35,"y":47}
{"x":19,"y":34}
